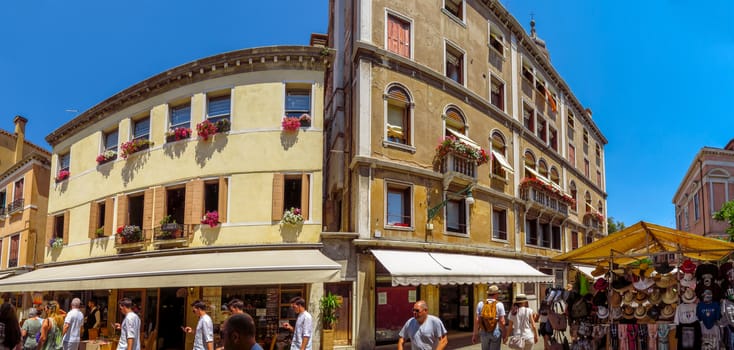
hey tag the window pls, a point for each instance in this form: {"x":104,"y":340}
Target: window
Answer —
{"x":553,"y":138}
{"x":454,"y":7}
{"x":527,"y":73}
{"x":59,"y":225}
{"x":586,"y":168}
{"x":497,"y":42}
{"x":180,"y":117}
{"x":455,"y":121}
{"x":14,"y":251}
{"x":572,"y":155}
{"x":555,"y":237}
{"x":454,"y":64}
{"x":543,"y":168}
{"x":135,"y":210}
{"x":696,"y":212}
{"x":544,"y":235}
{"x":541,"y":129}
{"x":298,"y":102}
{"x":499,"y":224}
{"x":598,"y":155}
{"x":17,"y":203}
{"x":528,"y":118}
{"x":398,"y":35}
{"x":531,"y":232}
{"x":589,"y":238}
{"x":587,"y":200}
{"x":211,"y":196}
{"x":456,"y":218}
{"x":497,"y":93}
{"x":291,"y":191}
{"x":101,"y":210}
{"x":398,"y":115}
{"x":3,"y":202}
{"x":141,"y":129}
{"x":218,"y":108}
{"x":399,"y":205}
{"x":685,"y":218}
{"x":600,"y":206}
{"x":498,"y":146}
{"x":64,"y":161}
{"x":554,"y":177}
{"x":570,"y":125}
{"x":574,"y":240}
{"x":574,"y":195}
{"x":110,"y":140}
{"x":529,"y":163}
{"x":598,"y":178}
{"x":586,"y":141}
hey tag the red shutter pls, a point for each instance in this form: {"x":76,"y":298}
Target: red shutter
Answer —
{"x":572,"y":155}
{"x":392,"y":35}
{"x":404,"y":39}
{"x":398,"y":36}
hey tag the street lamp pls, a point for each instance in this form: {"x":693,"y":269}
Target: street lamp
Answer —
{"x":432,"y":212}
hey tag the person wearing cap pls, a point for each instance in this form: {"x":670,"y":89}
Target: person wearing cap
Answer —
{"x":31,"y":327}
{"x":491,"y":340}
{"x":522,"y":324}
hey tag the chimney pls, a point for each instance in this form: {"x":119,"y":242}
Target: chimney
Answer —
{"x":19,"y":137}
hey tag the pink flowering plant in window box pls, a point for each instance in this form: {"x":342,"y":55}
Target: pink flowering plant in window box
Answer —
{"x":291,"y":124}
{"x":451,"y":144}
{"x":292,"y":217}
{"x":62,"y":175}
{"x":211,"y":218}
{"x":130,"y":234}
{"x":178,"y":134}
{"x":134,"y":146}
{"x":206,"y":129}
{"x":106,"y":156}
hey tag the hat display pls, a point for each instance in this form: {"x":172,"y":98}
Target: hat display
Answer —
{"x":521,"y":298}
{"x":628,"y":312}
{"x":665,"y":281}
{"x":643,"y":270}
{"x":493,"y":289}
{"x":640,"y":312}
{"x":688,"y":281}
{"x":688,"y":266}
{"x":725,"y":268}
{"x":689,"y":296}
{"x":707,"y":269}
{"x":602,"y":312}
{"x":628,"y":297}
{"x":616,"y":313}
{"x":640,"y":297}
{"x":668,"y":311}
{"x":601,"y":284}
{"x":655,"y":296}
{"x":600,"y":299}
{"x":644,"y":283}
{"x":663,"y":267}
{"x":621,"y":284}
{"x":653,"y":312}
{"x":670,"y":296}
{"x":615,"y":299}
{"x":598,"y":271}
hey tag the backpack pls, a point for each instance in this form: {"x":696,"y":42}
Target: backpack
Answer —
{"x":488,"y":316}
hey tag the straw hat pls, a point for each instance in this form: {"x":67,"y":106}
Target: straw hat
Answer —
{"x":688,"y":266}
{"x":644,"y":283}
{"x":628,"y":297}
{"x":598,"y":271}
{"x":616,"y":313}
{"x":653,"y":312}
{"x":628,"y":312}
{"x":602,"y":312}
{"x":670,"y":296}
{"x":493,"y":289}
{"x":640,"y":312}
{"x":643,"y":270}
{"x":665,"y":281}
{"x":689,"y":296}
{"x":521,"y":298}
{"x":615,"y":299}
{"x":688,"y":281}
{"x":640,"y":297}
{"x":668,"y":311}
{"x":655,"y":296}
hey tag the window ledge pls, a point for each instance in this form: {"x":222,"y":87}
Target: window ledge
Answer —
{"x":399,"y":228}
{"x":458,"y":20}
{"x":399,"y":146}
{"x":498,"y":177}
{"x":502,"y":55}
{"x":456,"y":234}
{"x":499,"y":240}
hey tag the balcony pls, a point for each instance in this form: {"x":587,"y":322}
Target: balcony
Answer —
{"x":172,"y":235}
{"x":125,"y":242}
{"x":15,"y":206}
{"x":527,"y":88}
{"x":593,"y":218}
{"x":545,"y":195}
{"x":455,"y":163}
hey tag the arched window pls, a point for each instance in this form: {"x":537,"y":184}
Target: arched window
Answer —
{"x":398,"y":107}
{"x":554,"y":176}
{"x":574,"y":194}
{"x":599,"y":207}
{"x":455,"y":121}
{"x":587,"y":199}
{"x":529,"y":163}
{"x":543,"y":168}
{"x":499,"y":147}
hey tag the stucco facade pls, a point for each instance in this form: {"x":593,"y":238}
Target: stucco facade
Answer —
{"x":409,"y":75}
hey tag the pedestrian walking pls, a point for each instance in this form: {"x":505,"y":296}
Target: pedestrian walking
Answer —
{"x":304,"y":325}
{"x":238,"y":333}
{"x":130,"y":327}
{"x":31,"y":328}
{"x":236,"y":306}
{"x":52,"y":327}
{"x":9,"y":328}
{"x":522,"y":323}
{"x":204,"y":337}
{"x":490,"y":320}
{"x":425,"y":332}
{"x":73,"y":326}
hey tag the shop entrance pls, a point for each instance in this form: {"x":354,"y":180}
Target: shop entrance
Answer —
{"x":455,"y":308}
{"x":172,"y":316}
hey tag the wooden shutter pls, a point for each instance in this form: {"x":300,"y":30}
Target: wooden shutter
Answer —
{"x":194,"y":202}
{"x":392,"y":34}
{"x":67,"y":214}
{"x":222,"y":200}
{"x":159,"y":208}
{"x":305,"y":191}
{"x":278,"y":183}
{"x":123,"y":217}
{"x":109,"y":214}
{"x":93,"y":219}
{"x":50,"y":219}
{"x":398,"y":94}
{"x":148,"y":213}
{"x":404,"y":39}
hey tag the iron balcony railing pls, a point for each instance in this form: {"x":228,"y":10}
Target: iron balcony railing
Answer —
{"x":544,"y":198}
{"x":15,"y":205}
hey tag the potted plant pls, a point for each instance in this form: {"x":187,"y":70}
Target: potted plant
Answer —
{"x":328,"y":304}
{"x":291,"y":124}
{"x":99,"y":232}
{"x":451,"y":144}
{"x":292,"y":217}
{"x":211,"y":218}
{"x":206,"y":129}
{"x":178,"y":134}
{"x":130,"y":234}
{"x":223,"y":125}
{"x":305,"y":120}
{"x":106,"y":156}
{"x":56,"y":242}
{"x":133,"y":146}
{"x":62,"y":175}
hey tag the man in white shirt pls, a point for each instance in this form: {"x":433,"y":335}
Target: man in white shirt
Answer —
{"x":130,"y":327}
{"x":304,"y":325}
{"x":73,"y":326}
{"x":204,"y":337}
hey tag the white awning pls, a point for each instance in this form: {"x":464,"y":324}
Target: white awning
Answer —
{"x":415,"y":268}
{"x":544,"y":179}
{"x":586,"y":270}
{"x":208,"y":269}
{"x":464,"y":138}
{"x":503,"y":162}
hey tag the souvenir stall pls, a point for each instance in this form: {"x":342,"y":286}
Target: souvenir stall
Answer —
{"x":656,"y":288}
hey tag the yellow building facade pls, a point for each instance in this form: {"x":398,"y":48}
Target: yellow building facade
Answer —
{"x":176,"y":189}
{"x":452,"y":143}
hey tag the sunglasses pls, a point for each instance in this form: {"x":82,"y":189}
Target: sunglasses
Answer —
{"x":417,"y":310}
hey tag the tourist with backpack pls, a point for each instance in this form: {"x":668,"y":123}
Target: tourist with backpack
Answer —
{"x":490,"y":320}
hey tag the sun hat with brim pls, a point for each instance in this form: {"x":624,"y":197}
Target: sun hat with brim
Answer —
{"x":640,"y":296}
{"x":616,"y":313}
{"x":668,"y":311}
{"x":601,"y":284}
{"x":598,"y":271}
{"x":640,"y":312}
{"x":665,"y":281}
{"x":628,"y":312}
{"x":602,"y":312}
{"x":615,"y":299}
{"x":670,"y":296}
{"x":688,"y":266}
{"x":653,"y":312}
{"x":663,"y":267}
{"x":644,"y":283}
{"x":628,"y":297}
{"x":689,"y":296}
{"x":493,"y":289}
{"x":621,"y":284}
{"x":707,"y":269}
{"x":688,"y":281}
{"x":521,"y":298}
{"x":655,"y":296}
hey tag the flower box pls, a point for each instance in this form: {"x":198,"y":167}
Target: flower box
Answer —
{"x":130,"y":234}
{"x":56,"y":242}
{"x":291,"y":124}
{"x":540,"y":185}
{"x":207,"y":129}
{"x":305,"y":120}
{"x":106,"y":156}
{"x":134,"y":146}
{"x":292,"y":217}
{"x":211,"y":218}
{"x":451,"y":144}
{"x":62,"y":175}
{"x":178,"y":134}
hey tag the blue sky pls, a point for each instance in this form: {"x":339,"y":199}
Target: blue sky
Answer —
{"x":657,"y":74}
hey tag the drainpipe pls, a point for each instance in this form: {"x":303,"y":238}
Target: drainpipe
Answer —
{"x":703,"y":200}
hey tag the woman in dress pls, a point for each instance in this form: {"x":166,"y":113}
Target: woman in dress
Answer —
{"x":10,"y":338}
{"x":51,"y":330}
{"x":31,"y":327}
{"x":523,"y":323}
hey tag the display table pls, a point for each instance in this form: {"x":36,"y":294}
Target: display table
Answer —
{"x":96,"y":345}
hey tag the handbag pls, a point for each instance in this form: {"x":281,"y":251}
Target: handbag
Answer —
{"x":516,"y":342}
{"x":557,"y":317}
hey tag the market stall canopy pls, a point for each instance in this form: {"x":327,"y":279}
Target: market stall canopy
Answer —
{"x":643,"y":240}
{"x":414,"y":268}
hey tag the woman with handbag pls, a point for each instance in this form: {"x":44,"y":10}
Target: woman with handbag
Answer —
{"x":524,"y":332}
